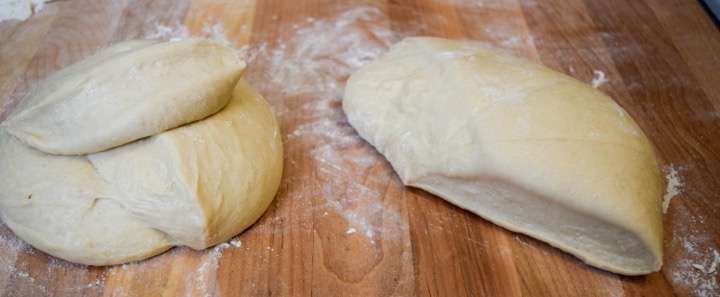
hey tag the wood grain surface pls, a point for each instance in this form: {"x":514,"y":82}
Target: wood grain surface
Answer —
{"x":342,"y":223}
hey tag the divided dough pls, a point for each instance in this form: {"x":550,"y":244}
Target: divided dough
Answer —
{"x":207,"y":178}
{"x":132,"y":90}
{"x":521,"y":145}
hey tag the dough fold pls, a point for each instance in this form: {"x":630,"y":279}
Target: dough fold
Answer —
{"x":123,"y":93}
{"x":196,"y":185}
{"x":59,"y":205}
{"x":528,"y":148}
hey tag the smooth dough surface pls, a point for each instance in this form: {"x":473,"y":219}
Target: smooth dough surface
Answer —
{"x":528,"y":148}
{"x":127,"y":90}
{"x":58,"y":205}
{"x":195,"y":185}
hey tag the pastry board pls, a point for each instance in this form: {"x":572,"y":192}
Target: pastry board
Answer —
{"x":342,"y":224}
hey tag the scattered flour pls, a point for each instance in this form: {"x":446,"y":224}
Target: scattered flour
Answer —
{"x":172,"y":33}
{"x":507,"y":36}
{"x":709,"y":265}
{"x":312,"y":64}
{"x":303,"y":75}
{"x":178,"y":31}
{"x":598,"y":78}
{"x":33,"y":281}
{"x":321,"y":54}
{"x":217,"y":32}
{"x":674,"y":185}
{"x":11,"y":248}
{"x":236,"y":243}
{"x":213,"y":31}
{"x":695,"y":254}
{"x":511,"y":41}
{"x":203,"y":282}
{"x":697,"y":270}
{"x":206,"y":273}
{"x":19,"y":9}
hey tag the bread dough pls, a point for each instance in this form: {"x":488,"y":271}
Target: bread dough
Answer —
{"x":194,"y":185}
{"x":57,"y":204}
{"x":521,"y":145}
{"x":132,"y":83}
{"x":205,"y":182}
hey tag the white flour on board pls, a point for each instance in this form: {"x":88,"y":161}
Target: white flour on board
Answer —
{"x":178,"y":31}
{"x":16,"y":273}
{"x":698,"y":264}
{"x":674,"y":185}
{"x":598,"y":78}
{"x":11,"y":248}
{"x":206,"y":272}
{"x":697,"y":254}
{"x":314,"y":62}
{"x":19,"y":9}
{"x":172,"y":33}
{"x":213,"y":31}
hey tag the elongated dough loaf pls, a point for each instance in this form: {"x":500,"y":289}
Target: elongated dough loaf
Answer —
{"x":195,"y":185}
{"x":521,"y":145}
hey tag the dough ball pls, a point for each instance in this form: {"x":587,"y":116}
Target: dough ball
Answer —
{"x":528,"y":148}
{"x":196,"y":185}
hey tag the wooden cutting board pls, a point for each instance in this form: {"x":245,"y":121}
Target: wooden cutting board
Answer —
{"x":342,"y":223}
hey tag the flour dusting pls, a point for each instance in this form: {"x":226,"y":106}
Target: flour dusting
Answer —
{"x":697,"y":270}
{"x":674,"y":185}
{"x":206,"y":273}
{"x":178,"y":31}
{"x":321,"y":53}
{"x":236,"y":243}
{"x":598,"y":78}
{"x":203,"y":281}
{"x":33,"y":281}
{"x":11,"y":247}
{"x":173,"y":32}
{"x":313,"y":63}
{"x":19,"y":9}
{"x":695,"y":255}
{"x":214,"y":31}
